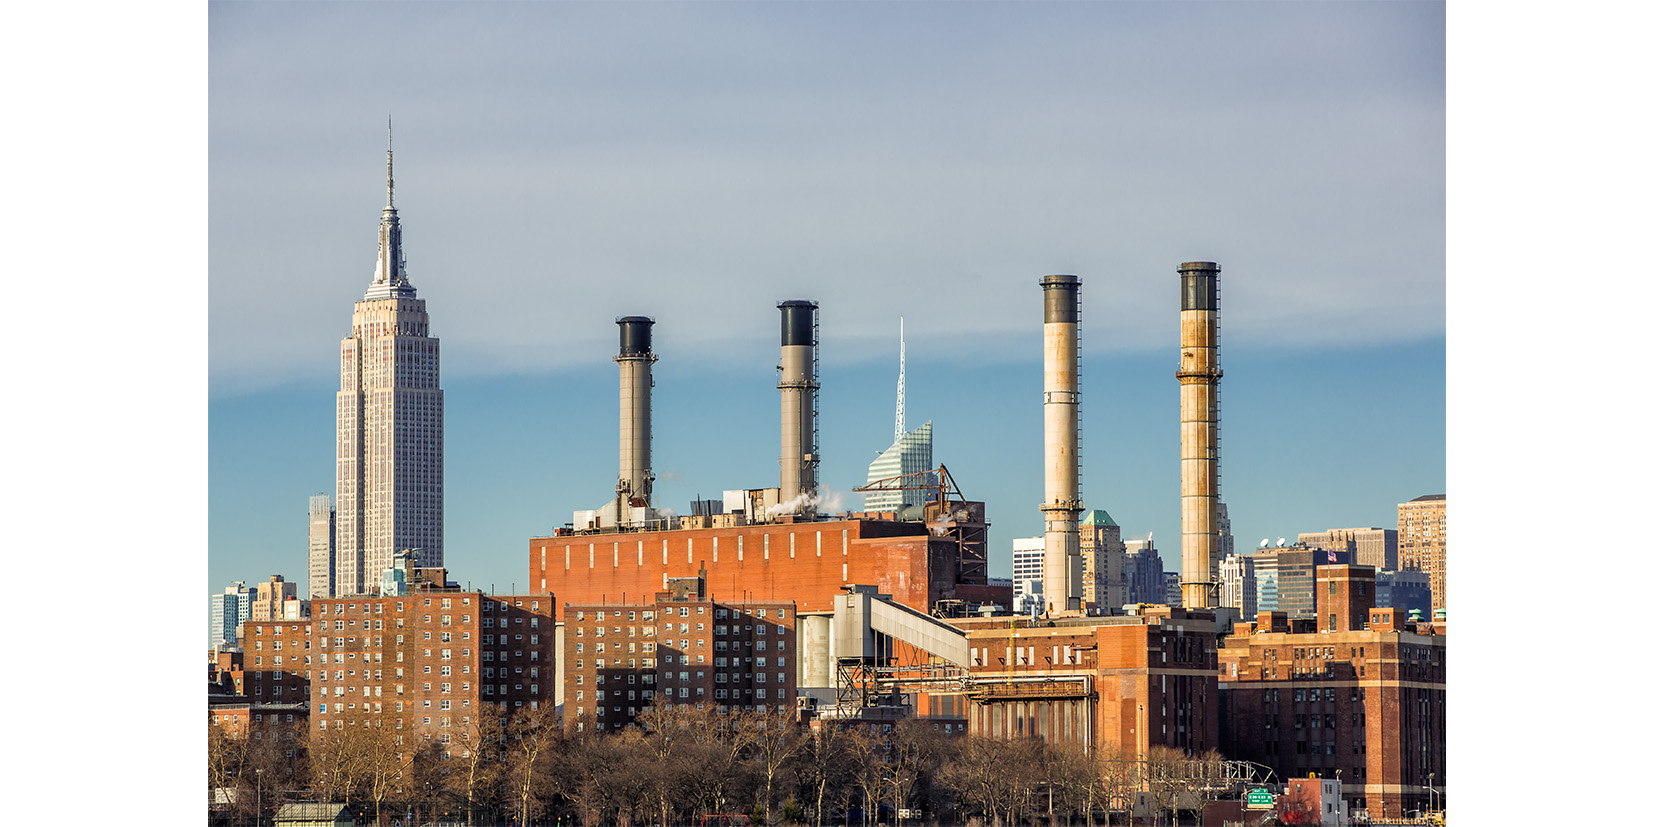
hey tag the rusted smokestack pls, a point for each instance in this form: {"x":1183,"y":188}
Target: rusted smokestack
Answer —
{"x":1062,"y":506}
{"x":1198,"y":373}
{"x":798,"y":387}
{"x":636,"y":482}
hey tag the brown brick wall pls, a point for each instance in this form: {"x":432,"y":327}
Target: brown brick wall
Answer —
{"x":900,"y":559}
{"x":1368,"y":707}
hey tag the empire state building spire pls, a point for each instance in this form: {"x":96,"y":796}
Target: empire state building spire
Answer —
{"x":389,"y":438}
{"x":390,"y":273}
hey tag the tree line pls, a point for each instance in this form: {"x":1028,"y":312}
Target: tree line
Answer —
{"x":679,"y":763}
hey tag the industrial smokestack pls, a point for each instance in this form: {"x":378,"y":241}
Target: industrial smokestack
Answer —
{"x":1062,"y":506}
{"x":798,"y":387}
{"x":1198,"y":373}
{"x":636,"y":482}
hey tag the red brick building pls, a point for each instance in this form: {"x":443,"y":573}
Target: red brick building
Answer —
{"x":802,"y":562}
{"x":424,"y":662}
{"x":1367,"y":706}
{"x":275,"y":661}
{"x":1133,"y":681}
{"x":679,"y":648}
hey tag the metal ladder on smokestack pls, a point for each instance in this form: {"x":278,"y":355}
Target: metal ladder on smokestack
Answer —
{"x":814,"y":465}
{"x":1217,"y":389}
{"x":1079,"y":401}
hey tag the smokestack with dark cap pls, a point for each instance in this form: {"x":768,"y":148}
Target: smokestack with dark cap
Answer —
{"x":1062,"y":506}
{"x":1198,"y":373}
{"x":798,"y":387}
{"x":636,"y":482}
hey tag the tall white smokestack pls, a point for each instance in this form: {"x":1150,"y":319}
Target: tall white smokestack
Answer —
{"x":636,"y":481}
{"x":798,"y":387}
{"x":1062,"y":506}
{"x":1198,"y":373}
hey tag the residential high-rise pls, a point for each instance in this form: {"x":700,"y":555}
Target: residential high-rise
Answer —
{"x":1421,"y":541}
{"x":389,"y":424}
{"x":321,"y":546}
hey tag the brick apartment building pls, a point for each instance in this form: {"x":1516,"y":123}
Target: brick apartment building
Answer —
{"x":1135,"y":681}
{"x":426,"y":661}
{"x":1365,"y":704}
{"x":679,"y":648}
{"x":422,"y":662}
{"x":275,"y":661}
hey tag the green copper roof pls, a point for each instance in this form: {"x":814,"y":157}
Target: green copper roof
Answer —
{"x":1099,"y":518}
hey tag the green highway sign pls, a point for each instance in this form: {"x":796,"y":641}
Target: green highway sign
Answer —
{"x":1259,"y":798}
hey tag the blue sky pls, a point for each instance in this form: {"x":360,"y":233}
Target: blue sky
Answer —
{"x":559,"y":165}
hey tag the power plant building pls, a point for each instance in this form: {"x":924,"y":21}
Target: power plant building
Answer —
{"x":389,"y":415}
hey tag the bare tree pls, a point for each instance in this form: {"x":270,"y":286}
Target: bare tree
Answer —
{"x":481,"y":744}
{"x":1117,"y":774}
{"x":824,"y":764}
{"x":530,"y":734}
{"x":226,"y":756}
{"x":773,"y":738}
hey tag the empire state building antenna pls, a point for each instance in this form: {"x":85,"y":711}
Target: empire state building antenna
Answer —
{"x":390,"y":177}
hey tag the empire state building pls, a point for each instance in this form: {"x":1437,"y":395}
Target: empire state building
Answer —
{"x":389,"y":423}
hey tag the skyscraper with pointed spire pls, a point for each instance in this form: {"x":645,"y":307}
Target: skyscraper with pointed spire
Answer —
{"x":389,"y":471}
{"x":909,"y":454}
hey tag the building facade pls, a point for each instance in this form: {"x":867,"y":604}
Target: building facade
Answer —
{"x":1104,"y":554}
{"x":425,"y":663}
{"x":1367,"y":705}
{"x":807,"y":562}
{"x":678,"y":648}
{"x":1376,"y":547}
{"x":271,"y":598}
{"x":225,"y":613}
{"x":1421,"y":530}
{"x":389,"y":414}
{"x":1238,"y":584}
{"x":909,"y":454}
{"x":1028,"y":575}
{"x":322,"y":538}
{"x":1145,"y":573}
{"x":1406,"y":591}
{"x":1129,"y":681}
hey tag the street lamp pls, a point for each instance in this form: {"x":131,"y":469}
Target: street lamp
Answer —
{"x":1432,"y":786}
{"x":258,"y":796}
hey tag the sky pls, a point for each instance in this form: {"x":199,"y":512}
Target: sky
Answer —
{"x":917,"y":165}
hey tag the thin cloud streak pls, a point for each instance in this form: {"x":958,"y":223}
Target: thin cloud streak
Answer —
{"x":560,"y":165}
